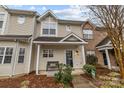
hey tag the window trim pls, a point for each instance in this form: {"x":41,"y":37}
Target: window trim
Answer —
{"x":68,"y":30}
{"x":21,"y":55}
{"x":4,"y":22}
{"x":49,"y":34}
{"x":90,"y":53}
{"x":4,"y":54}
{"x":87,"y":34}
{"x":47,"y":53}
{"x":19,"y":18}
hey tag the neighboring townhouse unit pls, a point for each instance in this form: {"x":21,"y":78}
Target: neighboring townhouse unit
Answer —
{"x":31,"y":42}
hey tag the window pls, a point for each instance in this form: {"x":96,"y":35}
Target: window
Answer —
{"x":87,"y":34}
{"x":90,"y":52}
{"x":5,"y":55}
{"x":48,"y":53}
{"x":21,"y":55}
{"x":1,"y":54}
{"x":21,"y":19}
{"x":68,"y":28}
{"x":2,"y":16}
{"x":49,"y":28}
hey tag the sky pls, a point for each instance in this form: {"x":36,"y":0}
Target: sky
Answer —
{"x":62,"y":11}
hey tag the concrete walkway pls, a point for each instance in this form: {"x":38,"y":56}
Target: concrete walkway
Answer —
{"x":80,"y":82}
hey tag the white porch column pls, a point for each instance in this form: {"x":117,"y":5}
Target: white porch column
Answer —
{"x":38,"y":57}
{"x":108,"y":59}
{"x":83,"y":54}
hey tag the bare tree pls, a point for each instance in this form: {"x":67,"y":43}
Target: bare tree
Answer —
{"x":112,"y":18}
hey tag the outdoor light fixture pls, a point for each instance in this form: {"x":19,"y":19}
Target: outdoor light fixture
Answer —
{"x":77,"y":52}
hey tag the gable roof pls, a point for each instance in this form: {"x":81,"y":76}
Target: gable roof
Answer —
{"x":89,"y":22}
{"x":105,"y":41}
{"x":72,"y":34}
{"x":48,"y":12}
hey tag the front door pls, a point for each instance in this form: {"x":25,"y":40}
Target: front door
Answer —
{"x":69,"y":57}
{"x":105,"y":59}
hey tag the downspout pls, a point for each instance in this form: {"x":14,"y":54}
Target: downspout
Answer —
{"x":15,"y":58}
{"x":31,"y":43}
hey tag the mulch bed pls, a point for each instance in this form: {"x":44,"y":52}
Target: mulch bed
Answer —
{"x":35,"y":81}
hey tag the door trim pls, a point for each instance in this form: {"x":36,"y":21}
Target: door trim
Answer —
{"x":72,"y":56}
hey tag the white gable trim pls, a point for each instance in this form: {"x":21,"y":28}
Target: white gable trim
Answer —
{"x":108,"y":44}
{"x":72,"y":34}
{"x":49,"y":11}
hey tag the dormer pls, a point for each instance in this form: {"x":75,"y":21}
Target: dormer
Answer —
{"x":49,"y":24}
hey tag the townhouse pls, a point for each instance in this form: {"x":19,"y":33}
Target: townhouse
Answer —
{"x":32,"y":42}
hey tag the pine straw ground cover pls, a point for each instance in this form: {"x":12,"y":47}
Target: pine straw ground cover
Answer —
{"x":31,"y":81}
{"x":106,"y":78}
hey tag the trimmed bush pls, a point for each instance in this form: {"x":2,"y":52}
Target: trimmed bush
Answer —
{"x":64,"y":75}
{"x":91,"y":59}
{"x":89,"y":68}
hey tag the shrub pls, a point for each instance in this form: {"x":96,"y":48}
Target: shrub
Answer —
{"x":89,"y":68}
{"x":64,"y":75}
{"x":25,"y":83}
{"x":91,"y":59}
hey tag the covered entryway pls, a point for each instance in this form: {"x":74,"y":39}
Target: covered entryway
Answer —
{"x":53,"y":50}
{"x":106,"y":48}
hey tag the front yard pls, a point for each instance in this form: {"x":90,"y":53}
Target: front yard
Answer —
{"x":31,"y":81}
{"x":105,"y":78}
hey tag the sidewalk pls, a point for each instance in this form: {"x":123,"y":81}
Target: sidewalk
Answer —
{"x":80,"y":82}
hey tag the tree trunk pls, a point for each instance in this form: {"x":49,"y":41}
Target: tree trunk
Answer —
{"x":121,"y":65}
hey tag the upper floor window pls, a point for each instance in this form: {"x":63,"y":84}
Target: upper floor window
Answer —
{"x":49,"y":28}
{"x":21,"y":19}
{"x":68,"y":28}
{"x":88,"y":34}
{"x":2,"y":17}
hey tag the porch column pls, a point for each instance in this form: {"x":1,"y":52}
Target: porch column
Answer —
{"x":108,"y":59}
{"x":83,"y":54}
{"x":38,"y":56}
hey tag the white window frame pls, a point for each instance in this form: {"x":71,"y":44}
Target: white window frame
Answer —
{"x":68,"y":26}
{"x":49,"y":35}
{"x":47,"y":53}
{"x":87,"y":34}
{"x":4,"y":22}
{"x":4,"y":54}
{"x":20,"y":21}
{"x":21,"y":54}
{"x":90,"y":52}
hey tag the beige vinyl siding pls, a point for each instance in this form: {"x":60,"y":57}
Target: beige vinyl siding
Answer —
{"x":23,"y":67}
{"x":6,"y":69}
{"x":59,"y":55}
{"x":7,"y":19}
{"x":15,"y":28}
{"x":74,"y":28}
